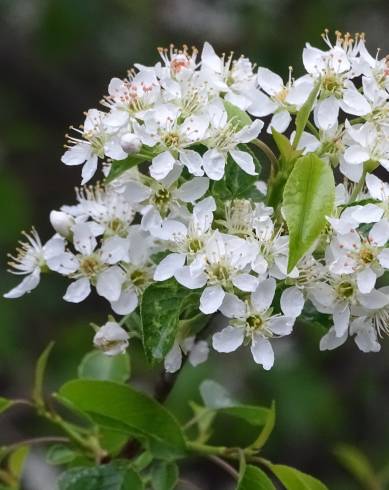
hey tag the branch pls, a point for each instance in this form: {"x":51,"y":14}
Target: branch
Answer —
{"x":226,"y":467}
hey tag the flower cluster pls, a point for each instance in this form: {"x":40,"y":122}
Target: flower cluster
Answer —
{"x":171,"y":141}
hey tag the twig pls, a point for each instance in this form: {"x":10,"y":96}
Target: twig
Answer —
{"x":226,"y":467}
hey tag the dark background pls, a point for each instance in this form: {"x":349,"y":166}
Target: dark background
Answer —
{"x":56,"y":59}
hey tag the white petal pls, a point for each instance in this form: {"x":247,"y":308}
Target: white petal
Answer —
{"x":327,"y":112}
{"x":341,"y":318}
{"x":211,"y":299}
{"x":244,"y":160}
{"x":281,"y":325}
{"x":210,"y":59}
{"x":280,"y":121}
{"x":192,"y":161}
{"x":228,"y":340}
{"x":261,"y":105}
{"x":245,"y":282}
{"x":356,"y":154}
{"x":136,"y":192}
{"x":262,"y":352}
{"x":168,"y":266}
{"x":249,"y":132}
{"x":379,"y":234}
{"x":214,"y":162}
{"x":374,"y":300}
{"x":173,"y":359}
{"x":383,"y":258}
{"x":263,"y":296}
{"x":64,"y":263}
{"x":29,"y":283}
{"x":377,"y":188}
{"x":330,"y":340}
{"x":233,"y":307}
{"x":83,"y":238}
{"x":161,"y":165}
{"x":109,"y":283}
{"x":126,"y":304}
{"x":77,"y":154}
{"x":193,"y":190}
{"x":199,"y":353}
{"x":366,"y":280}
{"x":292,"y":302}
{"x":269,"y":81}
{"x":189,"y":280}
{"x":78,"y":290}
{"x":115,"y":249}
{"x":89,"y":169}
{"x":368,"y":214}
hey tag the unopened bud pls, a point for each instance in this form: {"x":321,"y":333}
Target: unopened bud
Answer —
{"x":61,"y":222}
{"x":130,"y":143}
{"x":111,"y":338}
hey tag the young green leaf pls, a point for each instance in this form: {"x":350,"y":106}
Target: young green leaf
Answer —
{"x":268,"y":428}
{"x":17,"y":460}
{"x":60,"y":454}
{"x":37,"y":393}
{"x":107,"y":477}
{"x":241,"y":118}
{"x":164,"y":476}
{"x":116,"y":406}
{"x":254,"y":478}
{"x":96,"y":365}
{"x":294,"y":479}
{"x":304,"y":113}
{"x":121,"y":166}
{"x":309,"y":196}
{"x":288,"y":154}
{"x":358,"y":465}
{"x":160,"y":313}
{"x":5,"y":404}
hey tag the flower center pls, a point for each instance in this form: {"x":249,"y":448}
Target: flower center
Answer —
{"x":219,"y":273}
{"x":138,"y":278}
{"x":345,"y":289}
{"x":195,"y":245}
{"x":89,"y":266}
{"x":255,"y":322}
{"x":366,"y":255}
{"x":171,"y":140}
{"x":162,"y":197}
{"x":331,"y":84}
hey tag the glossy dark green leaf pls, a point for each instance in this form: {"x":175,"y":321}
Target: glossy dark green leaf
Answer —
{"x":119,"y":407}
{"x":104,"y":477}
{"x":304,"y":113}
{"x":254,"y":478}
{"x":309,"y":197}
{"x":37,"y":393}
{"x":120,"y":166}
{"x":160,"y":313}
{"x":293,"y":479}
{"x":60,"y":454}
{"x":96,"y":365}
{"x":164,"y":476}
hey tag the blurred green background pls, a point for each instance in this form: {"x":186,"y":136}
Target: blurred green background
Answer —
{"x":56,"y":59}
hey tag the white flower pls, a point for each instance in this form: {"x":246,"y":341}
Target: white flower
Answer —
{"x":33,"y":258}
{"x":255,"y":322}
{"x":197,"y":353}
{"x":280,"y":98}
{"x":112,"y":339}
{"x":224,"y":263}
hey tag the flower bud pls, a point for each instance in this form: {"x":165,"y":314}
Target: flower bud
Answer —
{"x":112,"y":339}
{"x":130,"y":143}
{"x":61,"y":222}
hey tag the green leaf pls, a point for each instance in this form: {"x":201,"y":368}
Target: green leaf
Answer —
{"x":5,"y":404}
{"x":118,"y":167}
{"x":37,"y":393}
{"x":17,"y":460}
{"x":309,"y":196}
{"x":287,"y":153}
{"x":241,"y":118}
{"x":254,"y":478}
{"x":237,"y":184}
{"x":96,"y":365}
{"x":107,"y":477}
{"x":160,"y":313}
{"x":164,"y":476}
{"x":60,"y":454}
{"x":304,"y":113}
{"x":357,"y":464}
{"x":268,"y":428}
{"x":294,"y":479}
{"x":118,"y":407}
